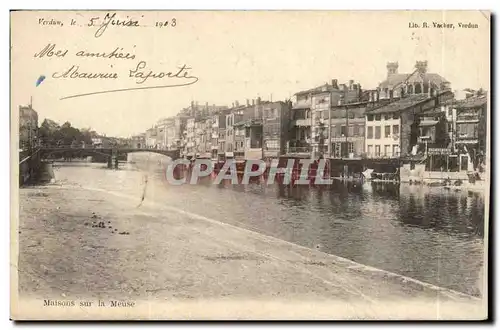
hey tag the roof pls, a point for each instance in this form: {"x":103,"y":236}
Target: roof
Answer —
{"x":472,"y":102}
{"x":301,"y":106}
{"x":426,"y":123}
{"x":435,"y":111}
{"x":399,"y":78}
{"x":318,"y":89}
{"x":400,"y":104}
{"x":248,"y":122}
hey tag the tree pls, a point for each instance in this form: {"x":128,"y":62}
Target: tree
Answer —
{"x":52,"y":134}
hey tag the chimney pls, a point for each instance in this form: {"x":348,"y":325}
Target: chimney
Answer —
{"x":253,"y":101}
{"x":391,"y":94}
{"x":392,"y":68}
{"x":421,"y":66}
{"x":232,"y":105}
{"x":248,"y":102}
{"x":258,"y":100}
{"x":236,"y":103}
{"x":351,"y":82}
{"x":335,"y":84}
{"x":378,"y":95}
{"x":206,"y":105}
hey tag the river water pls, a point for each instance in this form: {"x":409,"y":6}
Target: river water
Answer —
{"x":429,"y":234}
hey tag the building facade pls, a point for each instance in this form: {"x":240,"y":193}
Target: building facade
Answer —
{"x":28,"y":128}
{"x":138,"y":141}
{"x":275,"y":128}
{"x":320,"y":122}
{"x":392,"y":130}
{"x":190,"y":137}
{"x":471,"y":130}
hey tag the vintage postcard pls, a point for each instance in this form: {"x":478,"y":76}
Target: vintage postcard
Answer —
{"x":250,"y":165}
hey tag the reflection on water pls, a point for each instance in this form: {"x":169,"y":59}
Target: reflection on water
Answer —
{"x":429,"y":234}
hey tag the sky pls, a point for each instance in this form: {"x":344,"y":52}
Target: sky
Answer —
{"x":235,"y":55}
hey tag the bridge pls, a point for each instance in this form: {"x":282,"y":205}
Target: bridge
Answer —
{"x":30,"y":160}
{"x":109,"y":153}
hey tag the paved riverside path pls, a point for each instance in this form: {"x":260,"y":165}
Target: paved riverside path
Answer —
{"x":182,"y":259}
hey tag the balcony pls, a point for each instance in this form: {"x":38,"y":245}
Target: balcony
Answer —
{"x":381,"y":155}
{"x":467,"y":119}
{"x":301,"y":122}
{"x":467,"y":138}
{"x":299,"y":150}
{"x":319,"y":121}
{"x":424,"y":139}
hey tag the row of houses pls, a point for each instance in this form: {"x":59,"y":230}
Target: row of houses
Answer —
{"x":407,"y":115}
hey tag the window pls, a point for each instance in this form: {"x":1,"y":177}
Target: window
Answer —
{"x":378,"y":117}
{"x":395,"y":115}
{"x":350,"y":147}
{"x":387,"y":117}
{"x":370,"y":150}
{"x":467,"y":130}
{"x":369,"y":134}
{"x":395,"y":150}
{"x":355,"y":130}
{"x":370,"y":117}
{"x":272,"y":113}
{"x":351,"y":130}
{"x":387,"y":131}
{"x":337,"y":150}
{"x":272,"y":144}
{"x":387,"y":150}
{"x":343,"y":131}
{"x":377,"y":132}
{"x":351,"y":115}
{"x":395,"y":129}
{"x":361,"y":130}
{"x":377,"y":150}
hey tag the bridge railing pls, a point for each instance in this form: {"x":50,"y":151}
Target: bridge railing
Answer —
{"x":80,"y":147}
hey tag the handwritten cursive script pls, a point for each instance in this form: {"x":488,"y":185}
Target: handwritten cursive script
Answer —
{"x":110,"y":19}
{"x":139,"y":73}
{"x":141,"y":76}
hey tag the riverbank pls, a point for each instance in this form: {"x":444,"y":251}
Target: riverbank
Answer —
{"x":86,"y":243}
